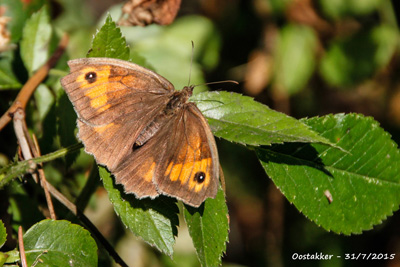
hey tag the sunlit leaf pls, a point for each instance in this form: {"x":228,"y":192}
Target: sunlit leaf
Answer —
{"x":153,"y":220}
{"x":342,"y":192}
{"x":59,"y":243}
{"x":209,"y":227}
{"x":36,"y":38}
{"x":242,"y":120}
{"x":109,"y":42}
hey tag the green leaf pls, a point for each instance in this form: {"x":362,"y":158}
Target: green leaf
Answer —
{"x":15,"y":9}
{"x":7,"y":77}
{"x":386,"y":40}
{"x":342,"y":192}
{"x":11,"y":258}
{"x":341,"y":8}
{"x":209,"y":227}
{"x":242,"y":120}
{"x":153,"y":220}
{"x":36,"y":39}
{"x":352,"y":59}
{"x":202,"y":32}
{"x":59,"y":243}
{"x":3,"y":258}
{"x":66,"y":124}
{"x":109,"y":42}
{"x":3,"y":234}
{"x":278,"y":7}
{"x":295,"y":58}
{"x":44,"y":100}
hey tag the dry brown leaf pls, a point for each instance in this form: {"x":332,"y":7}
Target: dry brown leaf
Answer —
{"x":4,"y":34}
{"x":145,"y":12}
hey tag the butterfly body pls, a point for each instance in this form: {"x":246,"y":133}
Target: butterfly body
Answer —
{"x":152,"y":139}
{"x":178,"y":101}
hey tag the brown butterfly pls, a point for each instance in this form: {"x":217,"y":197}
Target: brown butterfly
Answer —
{"x":146,"y":133}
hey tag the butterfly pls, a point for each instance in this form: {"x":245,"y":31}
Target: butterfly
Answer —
{"x":149,"y":136}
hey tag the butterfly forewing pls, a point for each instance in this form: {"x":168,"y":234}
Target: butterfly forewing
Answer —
{"x":104,"y":90}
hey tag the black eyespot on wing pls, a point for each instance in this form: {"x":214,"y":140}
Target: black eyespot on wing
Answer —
{"x":200,"y":177}
{"x":91,"y":77}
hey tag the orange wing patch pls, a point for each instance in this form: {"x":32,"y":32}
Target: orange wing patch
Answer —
{"x":102,"y":76}
{"x":187,"y":171}
{"x":96,"y":91}
{"x":147,"y":169}
{"x":173,"y":171}
{"x":200,"y":166}
{"x":193,"y":164}
{"x":148,"y":176}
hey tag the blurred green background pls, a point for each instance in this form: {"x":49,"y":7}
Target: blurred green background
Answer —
{"x":301,"y":57}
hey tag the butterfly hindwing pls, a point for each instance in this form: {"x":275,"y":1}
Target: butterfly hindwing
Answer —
{"x":190,"y":169}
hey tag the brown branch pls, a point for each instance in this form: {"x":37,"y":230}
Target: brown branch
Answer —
{"x":21,"y":248}
{"x":21,"y":132}
{"x":43,"y":180}
{"x":30,"y":149}
{"x":30,"y":86}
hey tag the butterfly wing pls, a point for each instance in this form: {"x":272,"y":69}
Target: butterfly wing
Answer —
{"x":181,"y":160}
{"x":114,"y":100}
{"x":190,"y":170}
{"x":105,"y":90}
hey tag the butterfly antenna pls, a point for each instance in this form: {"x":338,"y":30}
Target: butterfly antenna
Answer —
{"x":191,"y":64}
{"x":225,"y":81}
{"x":190,"y":73}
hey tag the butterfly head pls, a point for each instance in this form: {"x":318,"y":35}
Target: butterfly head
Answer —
{"x":188,"y":90}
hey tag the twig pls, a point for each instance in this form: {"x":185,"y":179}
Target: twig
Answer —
{"x":43,"y":180}
{"x":22,"y":167}
{"x":30,"y":86}
{"x":21,"y":248}
{"x":38,"y":260}
{"x":30,"y":149}
{"x":21,"y":132}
